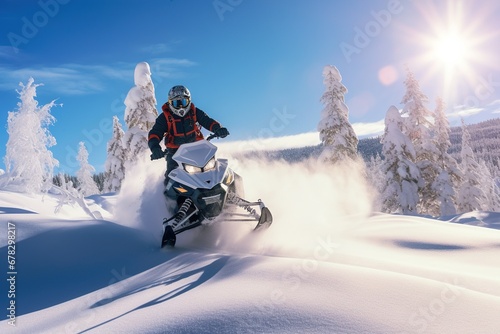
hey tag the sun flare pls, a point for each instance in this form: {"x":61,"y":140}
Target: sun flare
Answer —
{"x":451,"y":50}
{"x":450,"y":55}
{"x":451,"y":45}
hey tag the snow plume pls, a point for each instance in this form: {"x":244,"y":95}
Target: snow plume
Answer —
{"x":140,"y":202}
{"x":303,"y":199}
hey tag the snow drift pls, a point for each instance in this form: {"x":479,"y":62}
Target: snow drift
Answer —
{"x":327,"y":264}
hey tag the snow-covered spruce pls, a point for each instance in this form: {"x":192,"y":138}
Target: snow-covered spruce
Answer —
{"x":336,"y":133}
{"x":116,"y":158}
{"x":140,"y":113}
{"x":401,"y":174}
{"x":86,"y":184}
{"x":28,"y":160}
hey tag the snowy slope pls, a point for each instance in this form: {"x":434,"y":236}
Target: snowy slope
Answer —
{"x":327,"y":265}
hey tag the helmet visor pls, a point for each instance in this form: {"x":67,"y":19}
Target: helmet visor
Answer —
{"x":180,"y":102}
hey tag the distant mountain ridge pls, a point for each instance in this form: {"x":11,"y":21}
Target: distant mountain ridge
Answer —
{"x":485,"y":141}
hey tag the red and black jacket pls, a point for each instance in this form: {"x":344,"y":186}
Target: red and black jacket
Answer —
{"x":180,"y":130}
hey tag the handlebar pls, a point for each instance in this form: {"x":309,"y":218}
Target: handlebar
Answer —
{"x":212,"y":136}
{"x":209,"y":138}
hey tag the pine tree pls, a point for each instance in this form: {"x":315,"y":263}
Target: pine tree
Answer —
{"x":402,"y":176}
{"x":489,"y":188}
{"x":115,"y":162}
{"x":417,"y":121}
{"x":419,"y":128}
{"x":336,"y":133}
{"x":86,"y":185}
{"x":376,"y":177}
{"x":449,"y":177}
{"x":29,"y":163}
{"x":470,"y":195}
{"x":99,"y":181}
{"x":140,"y":113}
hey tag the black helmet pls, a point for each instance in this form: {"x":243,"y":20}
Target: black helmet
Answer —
{"x":179,"y":99}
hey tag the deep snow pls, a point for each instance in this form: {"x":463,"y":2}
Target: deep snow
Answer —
{"x":329,"y":263}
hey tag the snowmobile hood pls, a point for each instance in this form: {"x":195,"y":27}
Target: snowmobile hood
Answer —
{"x":196,"y":154}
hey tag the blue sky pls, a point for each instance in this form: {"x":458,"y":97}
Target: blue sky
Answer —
{"x":256,"y":66}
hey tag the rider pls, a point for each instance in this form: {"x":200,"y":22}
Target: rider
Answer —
{"x":179,"y":123}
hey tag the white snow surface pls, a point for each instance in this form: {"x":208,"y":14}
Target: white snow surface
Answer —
{"x":328,"y":264}
{"x":142,"y":74}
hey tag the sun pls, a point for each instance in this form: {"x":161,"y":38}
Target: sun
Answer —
{"x":451,"y":50}
{"x":450,"y":44}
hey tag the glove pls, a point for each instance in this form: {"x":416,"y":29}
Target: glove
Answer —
{"x":221,"y":132}
{"x":157,"y":153}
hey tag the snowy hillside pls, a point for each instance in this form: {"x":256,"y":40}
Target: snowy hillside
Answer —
{"x":327,"y":265}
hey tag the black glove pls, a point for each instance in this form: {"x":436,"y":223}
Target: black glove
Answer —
{"x":221,"y":132}
{"x":157,"y":153}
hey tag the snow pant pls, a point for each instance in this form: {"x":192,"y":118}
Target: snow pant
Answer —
{"x":171,"y":164}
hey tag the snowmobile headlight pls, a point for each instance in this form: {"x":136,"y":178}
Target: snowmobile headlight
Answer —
{"x":192,"y":169}
{"x":229,"y":177}
{"x":210,"y":165}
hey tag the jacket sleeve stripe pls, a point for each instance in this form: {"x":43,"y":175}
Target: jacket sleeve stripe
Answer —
{"x":152,"y":136}
{"x":214,"y":123}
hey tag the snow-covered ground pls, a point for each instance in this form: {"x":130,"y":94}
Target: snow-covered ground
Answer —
{"x":328,"y":264}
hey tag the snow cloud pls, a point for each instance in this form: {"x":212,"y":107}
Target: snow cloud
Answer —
{"x":269,"y":144}
{"x":303,"y":198}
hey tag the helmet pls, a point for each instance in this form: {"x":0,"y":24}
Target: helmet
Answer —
{"x":179,"y":99}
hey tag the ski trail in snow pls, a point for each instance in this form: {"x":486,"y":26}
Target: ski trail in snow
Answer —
{"x":310,"y":204}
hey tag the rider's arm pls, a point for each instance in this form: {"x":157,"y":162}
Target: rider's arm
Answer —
{"x":206,"y":121}
{"x":158,"y":130}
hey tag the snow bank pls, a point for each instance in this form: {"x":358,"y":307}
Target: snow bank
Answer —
{"x":328,"y":264}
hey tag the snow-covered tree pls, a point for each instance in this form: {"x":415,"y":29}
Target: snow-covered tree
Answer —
{"x":115,"y":162}
{"x":470,"y":195}
{"x":402,"y":177}
{"x":86,"y":184}
{"x":417,"y":121}
{"x":376,"y":177}
{"x":419,"y":128}
{"x":140,"y":112}
{"x":336,"y":133}
{"x":29,"y":163}
{"x":489,"y":188}
{"x":449,"y":177}
{"x":443,"y":186}
{"x":67,"y":191}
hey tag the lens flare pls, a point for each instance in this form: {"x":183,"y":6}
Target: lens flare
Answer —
{"x":452,"y":44}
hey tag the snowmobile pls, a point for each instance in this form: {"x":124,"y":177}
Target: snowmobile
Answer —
{"x":206,"y":190}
